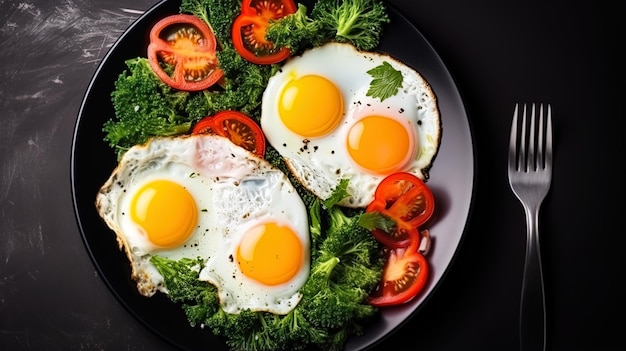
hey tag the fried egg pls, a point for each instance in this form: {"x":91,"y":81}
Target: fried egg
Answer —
{"x":317,"y":114}
{"x":202,"y":196}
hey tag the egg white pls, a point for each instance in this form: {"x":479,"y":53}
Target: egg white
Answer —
{"x":233,"y":190}
{"x":320,"y":163}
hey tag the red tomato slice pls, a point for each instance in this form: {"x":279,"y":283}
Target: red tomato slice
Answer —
{"x":236,"y":126}
{"x":408,"y":201}
{"x":187,"y":43}
{"x":405,"y":274}
{"x":249,"y":28}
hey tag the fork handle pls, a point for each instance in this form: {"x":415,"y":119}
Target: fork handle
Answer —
{"x":532,"y":306}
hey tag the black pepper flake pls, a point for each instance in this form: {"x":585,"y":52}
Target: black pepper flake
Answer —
{"x":401,"y":110}
{"x":315,"y":148}
{"x":230,"y":258}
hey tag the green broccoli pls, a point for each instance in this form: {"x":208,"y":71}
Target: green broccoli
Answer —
{"x":199,"y":299}
{"x":218,"y":14}
{"x":346,"y":266}
{"x":296,"y":31}
{"x":267,"y":331}
{"x":359,"y":22}
{"x":144,"y":107}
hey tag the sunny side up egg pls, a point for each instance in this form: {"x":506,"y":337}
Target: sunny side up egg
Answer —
{"x":317,"y":115}
{"x":203,"y":196}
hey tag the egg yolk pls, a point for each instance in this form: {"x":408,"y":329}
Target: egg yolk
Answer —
{"x":380,"y":145}
{"x":310,"y":106}
{"x":270,"y":254}
{"x":166,"y":212}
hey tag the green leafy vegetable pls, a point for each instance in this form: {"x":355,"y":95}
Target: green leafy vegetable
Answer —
{"x":386,"y":81}
{"x":296,"y":31}
{"x":144,"y":107}
{"x":359,"y":22}
{"x":340,"y":193}
{"x":218,"y":14}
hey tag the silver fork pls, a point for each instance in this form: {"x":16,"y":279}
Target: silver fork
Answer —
{"x":530,"y":173}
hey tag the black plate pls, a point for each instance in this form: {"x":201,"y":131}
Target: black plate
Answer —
{"x":451,"y":179}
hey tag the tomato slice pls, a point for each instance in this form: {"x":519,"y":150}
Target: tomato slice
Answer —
{"x":249,"y":28}
{"x":187,"y":43}
{"x":236,"y":126}
{"x":405,"y":274}
{"x":408,"y":201}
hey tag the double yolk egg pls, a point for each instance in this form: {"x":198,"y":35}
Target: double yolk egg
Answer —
{"x":202,"y":196}
{"x":317,"y":113}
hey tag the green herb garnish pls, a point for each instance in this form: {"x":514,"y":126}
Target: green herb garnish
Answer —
{"x":386,"y":81}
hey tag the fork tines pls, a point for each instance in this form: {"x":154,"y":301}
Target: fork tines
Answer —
{"x":543,"y":160}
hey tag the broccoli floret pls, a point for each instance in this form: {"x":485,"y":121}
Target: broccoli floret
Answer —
{"x":218,"y":14}
{"x":199,"y":299}
{"x":346,"y":266}
{"x":296,"y":31}
{"x":266,"y":331}
{"x":293,"y":329}
{"x":359,"y":22}
{"x":234,"y":326}
{"x":354,"y":244}
{"x":144,"y":107}
{"x":199,"y":8}
{"x":245,"y":82}
{"x":180,"y":277}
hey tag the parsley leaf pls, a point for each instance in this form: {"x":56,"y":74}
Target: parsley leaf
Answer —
{"x":386,"y":81}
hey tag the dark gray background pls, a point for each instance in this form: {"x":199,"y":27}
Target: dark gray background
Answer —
{"x":567,"y":53}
